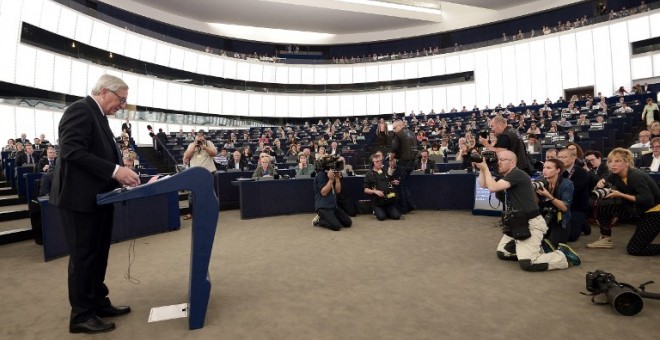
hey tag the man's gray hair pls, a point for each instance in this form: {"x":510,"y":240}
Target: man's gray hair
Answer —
{"x":109,"y":82}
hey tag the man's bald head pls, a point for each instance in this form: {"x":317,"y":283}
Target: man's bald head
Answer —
{"x":507,"y":155}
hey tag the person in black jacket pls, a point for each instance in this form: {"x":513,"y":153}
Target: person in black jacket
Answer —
{"x":580,"y":204}
{"x":237,"y":162}
{"x":652,"y":160}
{"x":638,"y":196}
{"x":507,"y":139}
{"x":404,"y":146}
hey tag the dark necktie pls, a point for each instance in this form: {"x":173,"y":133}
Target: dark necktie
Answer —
{"x":29,"y":159}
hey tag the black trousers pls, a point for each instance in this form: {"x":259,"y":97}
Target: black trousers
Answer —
{"x":88,"y":237}
{"x":334,"y":219}
{"x":389,"y":210}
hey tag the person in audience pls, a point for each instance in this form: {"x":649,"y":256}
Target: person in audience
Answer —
{"x":644,"y":140}
{"x":650,"y":113}
{"x":162,"y":140}
{"x":27,"y":157}
{"x":436,"y":150}
{"x":22,"y":139}
{"x":321,"y":153}
{"x":550,"y":154}
{"x":583,"y":120}
{"x":655,"y":129}
{"x":221,"y":160}
{"x":621,"y":91}
{"x":624,"y":109}
{"x":638,"y":196}
{"x":229,"y":145}
{"x":10,"y":147}
{"x":404,"y":145}
{"x":334,"y":150}
{"x":263,"y":140}
{"x":264,"y":168}
{"x":20,"y":149}
{"x":246,"y":154}
{"x":381,"y":134}
{"x":48,"y":163}
{"x":424,"y":163}
{"x":580,"y":203}
{"x":652,"y":160}
{"x":327,"y":185}
{"x":380,"y":187}
{"x":237,"y":161}
{"x":533,"y":129}
{"x":304,"y":168}
{"x":555,"y":198}
{"x":532,"y":145}
{"x":127,"y":127}
{"x":424,"y":145}
{"x":526,"y":218}
{"x":564,"y":123}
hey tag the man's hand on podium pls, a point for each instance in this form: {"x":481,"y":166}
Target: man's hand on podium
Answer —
{"x":126,"y":176}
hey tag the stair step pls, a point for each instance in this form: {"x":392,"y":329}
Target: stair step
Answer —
{"x":14,"y":215}
{"x":7,"y":191}
{"x":4,"y":184}
{"x":8,"y":200}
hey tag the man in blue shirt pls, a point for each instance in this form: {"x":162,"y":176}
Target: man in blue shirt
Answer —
{"x":327,"y":184}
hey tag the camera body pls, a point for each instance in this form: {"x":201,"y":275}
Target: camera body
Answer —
{"x":329,"y":163}
{"x":598,"y":281}
{"x":200,"y":143}
{"x":484,"y":133}
{"x":489,"y":156}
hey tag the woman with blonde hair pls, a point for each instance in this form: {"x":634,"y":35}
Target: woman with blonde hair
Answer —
{"x":638,"y":197}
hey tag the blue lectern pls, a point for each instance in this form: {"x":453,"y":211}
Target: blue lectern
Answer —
{"x":205,"y":213}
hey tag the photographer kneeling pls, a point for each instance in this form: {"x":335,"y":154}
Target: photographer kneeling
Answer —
{"x":556,"y":194}
{"x":327,"y":184}
{"x":378,"y":184}
{"x":638,"y":197}
{"x":524,"y":226}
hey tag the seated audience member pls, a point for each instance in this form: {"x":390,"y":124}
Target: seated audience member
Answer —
{"x":221,"y":160}
{"x":379,"y":186}
{"x":237,"y":162}
{"x":624,"y":109}
{"x":10,"y":147}
{"x":27,"y":157}
{"x":436,"y":150}
{"x":304,"y":168}
{"x":334,"y":149}
{"x":533,"y":129}
{"x":637,"y":197}
{"x":580,"y":203}
{"x":644,"y":140}
{"x":555,"y":199}
{"x":652,"y":160}
{"x":48,"y":163}
{"x":532,"y":145}
{"x":321,"y":153}
{"x":583,"y":120}
{"x":264,"y":168}
{"x":424,"y":163}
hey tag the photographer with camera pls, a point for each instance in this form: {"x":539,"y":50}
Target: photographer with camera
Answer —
{"x":507,"y":139}
{"x":555,"y":197}
{"x":637,"y":196}
{"x":327,"y":184}
{"x":199,"y":153}
{"x":381,"y":188}
{"x":404,"y":146}
{"x":524,"y":226}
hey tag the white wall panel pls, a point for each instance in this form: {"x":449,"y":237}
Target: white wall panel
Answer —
{"x":452,"y":64}
{"x":440,"y":99}
{"x":320,"y":106}
{"x":45,"y":65}
{"x":373,"y":104}
{"x":620,"y":56}
{"x":282,"y":74}
{"x":131,"y":79}
{"x":438,"y":66}
{"x":523,"y":74}
{"x":411,"y":69}
{"x":268,"y":105}
{"x":83,"y":29}
{"x":553,"y":79}
{"x":255,"y":105}
{"x":495,"y":77}
{"x":241,"y":104}
{"x":132,"y":45}
{"x":603,"y":60}
{"x":334,"y":105}
{"x":295,"y":75}
{"x":67,"y":25}
{"x":655,"y":29}
{"x":585,"y":58}
{"x":160,"y":90}
{"x":656,"y":65}
{"x":307,"y":106}
{"x":50,"y":16}
{"x":31,"y":11}
{"x":26,"y":57}
{"x":399,"y":101}
{"x":100,"y":35}
{"x":162,"y":53}
{"x":510,"y":81}
{"x":385,"y":105}
{"x":173,"y":96}
{"x":384,"y":72}
{"x":243,"y":71}
{"x":424,"y":68}
{"x":468,"y":96}
{"x":204,"y":64}
{"x":346,"y":103}
{"x":454,"y":100}
{"x":346,"y":74}
{"x":307,"y":75}
{"x":360,"y":104}
{"x":229,"y":71}
{"x":62,"y":75}
{"x":481,"y":79}
{"x":425,"y":100}
{"x":177,"y":56}
{"x":281,"y":106}
{"x":145,"y":93}
{"x":201,"y":99}
{"x":639,"y":29}
{"x":256,"y":72}
{"x":641,"y":67}
{"x":467,"y":61}
{"x":359,"y":74}
{"x":569,"y":71}
{"x":79,"y":78}
{"x":188,"y":100}
{"x":93,"y":74}
{"x":333,"y":75}
{"x":147,"y":50}
{"x":372,"y":73}
{"x":412,"y":100}
{"x":190,"y":61}
{"x":269,"y":74}
{"x":43,"y":123}
{"x":229,"y":103}
{"x":320,"y":75}
{"x":398,"y":71}
{"x":25,"y":122}
{"x":117,"y":43}
{"x":215,"y":101}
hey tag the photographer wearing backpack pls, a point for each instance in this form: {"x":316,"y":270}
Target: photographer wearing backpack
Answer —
{"x":524,"y":226}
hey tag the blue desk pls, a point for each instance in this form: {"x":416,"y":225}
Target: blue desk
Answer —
{"x":21,"y":184}
{"x":132,"y":219}
{"x":9,"y":168}
{"x":282,"y":197}
{"x":29,"y":180}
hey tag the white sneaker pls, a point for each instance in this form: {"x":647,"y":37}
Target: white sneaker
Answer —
{"x":315,"y":221}
{"x":602,"y":243}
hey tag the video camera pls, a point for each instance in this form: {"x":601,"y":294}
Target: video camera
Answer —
{"x":329,"y":163}
{"x":624,"y":298}
{"x":489,"y":156}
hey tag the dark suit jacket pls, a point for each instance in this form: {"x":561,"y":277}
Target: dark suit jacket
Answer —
{"x":88,"y":156}
{"x":23,"y":158}
{"x":126,"y":127}
{"x":242,"y":164}
{"x":581,"y":182}
{"x":644,"y":162}
{"x":42,"y":163}
{"x":430,"y":165}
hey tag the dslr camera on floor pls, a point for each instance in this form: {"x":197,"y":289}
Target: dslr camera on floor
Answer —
{"x":329,"y":163}
{"x":624,"y":298}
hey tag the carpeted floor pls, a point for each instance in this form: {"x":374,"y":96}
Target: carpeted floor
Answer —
{"x":433,"y":275}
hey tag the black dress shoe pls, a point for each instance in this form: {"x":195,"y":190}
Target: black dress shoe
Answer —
{"x":112,"y":311}
{"x":92,"y":326}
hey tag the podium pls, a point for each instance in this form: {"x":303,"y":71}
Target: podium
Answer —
{"x":205,"y":213}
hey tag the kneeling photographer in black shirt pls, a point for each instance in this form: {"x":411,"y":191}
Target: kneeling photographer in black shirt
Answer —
{"x":379,"y":186}
{"x":524,"y":225}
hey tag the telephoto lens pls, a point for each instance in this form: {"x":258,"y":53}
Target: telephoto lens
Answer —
{"x":538,"y":185}
{"x":599,"y":193}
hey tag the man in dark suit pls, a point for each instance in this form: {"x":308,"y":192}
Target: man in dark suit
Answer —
{"x":424,"y":163}
{"x":89,"y":164}
{"x":27,"y":157}
{"x":23,"y":139}
{"x":652,"y":160}
{"x":48,"y":163}
{"x":237,"y":162}
{"x":126,"y":127}
{"x":580,"y":204}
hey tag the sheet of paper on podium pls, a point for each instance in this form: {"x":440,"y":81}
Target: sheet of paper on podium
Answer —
{"x":168,"y":312}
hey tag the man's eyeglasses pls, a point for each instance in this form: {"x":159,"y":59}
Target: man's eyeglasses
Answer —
{"x":378,"y":160}
{"x":122,"y":100}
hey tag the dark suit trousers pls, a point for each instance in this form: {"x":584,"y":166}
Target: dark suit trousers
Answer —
{"x":88,"y":237}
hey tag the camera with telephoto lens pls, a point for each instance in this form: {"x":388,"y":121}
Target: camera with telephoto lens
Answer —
{"x":329,"y":163}
{"x":489,"y":156}
{"x":624,"y":298}
{"x":540,"y":184}
{"x":599,"y":193}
